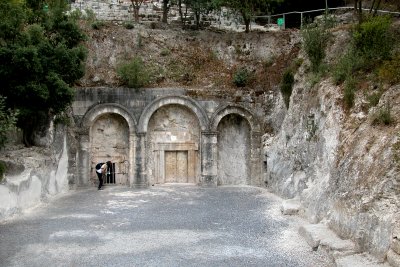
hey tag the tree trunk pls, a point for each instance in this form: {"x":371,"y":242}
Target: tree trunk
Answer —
{"x":165,"y":11}
{"x":247,"y":20}
{"x":136,"y":13}
{"x":377,"y":7}
{"x":181,"y":13}
{"x":197,"y":16}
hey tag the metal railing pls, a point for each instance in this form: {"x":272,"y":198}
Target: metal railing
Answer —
{"x":283,"y":15}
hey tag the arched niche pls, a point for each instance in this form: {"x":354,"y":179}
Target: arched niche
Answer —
{"x":114,"y":125}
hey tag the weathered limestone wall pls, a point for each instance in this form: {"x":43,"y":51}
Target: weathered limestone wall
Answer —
{"x":35,"y":174}
{"x":340,"y":166}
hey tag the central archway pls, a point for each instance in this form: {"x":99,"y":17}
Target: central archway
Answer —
{"x":173,"y":138}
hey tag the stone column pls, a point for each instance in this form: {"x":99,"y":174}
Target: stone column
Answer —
{"x":209,"y":148}
{"x":83,"y":163}
{"x":140,"y":162}
{"x":255,"y":159}
{"x":132,"y":159}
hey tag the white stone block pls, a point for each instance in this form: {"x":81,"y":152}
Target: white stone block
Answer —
{"x":290,"y":207}
{"x":393,"y":258}
{"x":396,"y":245}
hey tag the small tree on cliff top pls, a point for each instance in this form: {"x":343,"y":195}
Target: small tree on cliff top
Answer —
{"x":136,"y":4}
{"x":248,"y":8}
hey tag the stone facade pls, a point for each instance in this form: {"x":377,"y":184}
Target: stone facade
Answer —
{"x":157,"y":136}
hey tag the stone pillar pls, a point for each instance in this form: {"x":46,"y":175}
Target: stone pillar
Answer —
{"x":209,"y":157}
{"x":140,"y":162}
{"x":255,"y":160}
{"x":83,"y":163}
{"x":132,"y":159}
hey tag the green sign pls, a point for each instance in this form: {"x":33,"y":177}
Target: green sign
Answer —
{"x":45,"y":8}
{"x":281,"y":21}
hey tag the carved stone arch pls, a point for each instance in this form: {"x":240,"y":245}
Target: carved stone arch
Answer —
{"x":92,"y":114}
{"x":85,"y":166}
{"x":172,"y":100}
{"x":224,"y":110}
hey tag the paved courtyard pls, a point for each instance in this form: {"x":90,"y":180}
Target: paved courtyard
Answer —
{"x":169,"y":225}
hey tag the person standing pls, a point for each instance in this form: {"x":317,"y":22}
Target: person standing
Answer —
{"x":101,"y":170}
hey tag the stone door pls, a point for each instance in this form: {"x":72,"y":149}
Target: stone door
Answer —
{"x":176,"y":166}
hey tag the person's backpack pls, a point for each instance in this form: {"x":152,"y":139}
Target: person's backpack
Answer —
{"x":98,"y":166}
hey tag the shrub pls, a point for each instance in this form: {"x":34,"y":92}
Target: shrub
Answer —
{"x":98,"y":24}
{"x":373,"y":99}
{"x":134,"y":73}
{"x":315,"y":40}
{"x":2,"y":170}
{"x":390,"y":70}
{"x":8,"y":119}
{"x":241,"y":77}
{"x":349,"y":92}
{"x":287,"y":86}
{"x":128,"y":25}
{"x":346,"y":66}
{"x":165,"y":52}
{"x":373,"y":39}
{"x":382,"y":116}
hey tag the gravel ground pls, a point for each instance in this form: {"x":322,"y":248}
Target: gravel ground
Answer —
{"x":170,"y":225}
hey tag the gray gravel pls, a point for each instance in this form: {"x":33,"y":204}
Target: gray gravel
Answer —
{"x":170,"y":225}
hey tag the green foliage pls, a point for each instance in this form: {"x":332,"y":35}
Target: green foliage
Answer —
{"x":98,"y":24}
{"x":396,"y":152}
{"x":372,"y":39}
{"x":382,"y":116}
{"x":249,"y":8}
{"x":241,"y":77}
{"x":8,"y":119}
{"x":373,"y":99}
{"x":165,"y":52}
{"x":129,"y":25}
{"x":134,"y":73}
{"x":41,"y":58}
{"x":349,"y":92}
{"x":287,"y":86}
{"x":315,"y":40}
{"x":389,"y":71}
{"x":2,"y":170}
{"x":346,"y":66}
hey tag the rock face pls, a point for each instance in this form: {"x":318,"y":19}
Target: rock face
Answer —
{"x":35,"y":174}
{"x":339,"y":165}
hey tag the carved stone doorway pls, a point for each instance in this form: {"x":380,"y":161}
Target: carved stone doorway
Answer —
{"x":176,"y":162}
{"x":176,"y":166}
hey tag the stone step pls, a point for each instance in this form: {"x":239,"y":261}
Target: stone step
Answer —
{"x":343,"y":252}
{"x":318,"y":235}
{"x":359,"y":260}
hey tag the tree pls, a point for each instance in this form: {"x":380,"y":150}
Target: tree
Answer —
{"x":358,"y":10}
{"x":136,"y":4}
{"x":165,"y":11}
{"x":41,"y":58}
{"x":248,"y":8}
{"x":200,"y":8}
{"x":8,"y":119}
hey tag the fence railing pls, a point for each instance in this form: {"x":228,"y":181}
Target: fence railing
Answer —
{"x":283,"y":15}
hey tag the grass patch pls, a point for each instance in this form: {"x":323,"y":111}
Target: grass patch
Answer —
{"x":382,"y":116}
